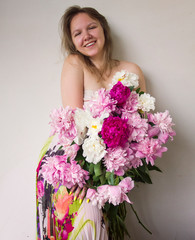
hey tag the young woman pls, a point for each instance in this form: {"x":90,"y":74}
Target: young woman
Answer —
{"x":88,"y":67}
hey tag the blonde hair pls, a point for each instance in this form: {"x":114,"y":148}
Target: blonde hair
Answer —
{"x":68,"y":45}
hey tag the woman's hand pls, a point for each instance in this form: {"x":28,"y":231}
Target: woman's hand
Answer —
{"x":79,"y":193}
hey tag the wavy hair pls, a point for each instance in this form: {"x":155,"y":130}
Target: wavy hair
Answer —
{"x":68,"y":45}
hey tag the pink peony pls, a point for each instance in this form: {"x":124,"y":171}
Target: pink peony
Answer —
{"x":163,"y":126}
{"x":57,"y":170}
{"x":126,"y":184}
{"x":131,"y":103}
{"x":100,"y":104}
{"x":53,"y":169}
{"x":149,"y":149}
{"x":111,"y":194}
{"x":137,"y":126}
{"x":118,"y":159}
{"x":115,"y":131}
{"x":71,"y":151}
{"x":74,"y":174}
{"x":120,"y":93}
{"x":63,"y":123}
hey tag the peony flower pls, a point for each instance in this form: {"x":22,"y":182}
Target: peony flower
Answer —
{"x":137,"y":126}
{"x":146,"y":102}
{"x":101,"y":104}
{"x":149,"y":149}
{"x":111,"y":194}
{"x":56,"y":170}
{"x":71,"y":151}
{"x":118,"y":159}
{"x":131,"y":105}
{"x":63,"y":123}
{"x":115,"y":131}
{"x":73,"y":174}
{"x":120,"y":93}
{"x":94,"y":149}
{"x":126,"y":78}
{"x":82,"y":119}
{"x":94,"y":127}
{"x":163,"y":126}
{"x":126,"y":184}
{"x":53,"y":169}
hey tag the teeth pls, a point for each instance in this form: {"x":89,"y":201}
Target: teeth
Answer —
{"x":90,"y":44}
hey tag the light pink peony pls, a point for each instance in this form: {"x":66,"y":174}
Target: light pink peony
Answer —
{"x":149,"y":149}
{"x":118,"y":159}
{"x":137,"y":126}
{"x":126,"y":184}
{"x":74,"y":174}
{"x":100,"y":104}
{"x":71,"y":151}
{"x":112,"y":194}
{"x":57,"y":170}
{"x":131,"y":103}
{"x":163,"y":126}
{"x":63,"y":123}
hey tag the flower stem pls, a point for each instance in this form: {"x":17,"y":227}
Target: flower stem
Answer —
{"x":140,"y":220}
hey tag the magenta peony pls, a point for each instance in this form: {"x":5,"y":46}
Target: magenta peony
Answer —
{"x":120,"y":93}
{"x":115,"y":131}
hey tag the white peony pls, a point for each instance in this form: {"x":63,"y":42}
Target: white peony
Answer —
{"x":126,"y":78}
{"x":82,"y":119}
{"x":146,"y":102}
{"x":95,"y":126}
{"x":94,"y":149}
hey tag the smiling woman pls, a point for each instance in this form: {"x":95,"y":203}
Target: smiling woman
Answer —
{"x":88,"y":67}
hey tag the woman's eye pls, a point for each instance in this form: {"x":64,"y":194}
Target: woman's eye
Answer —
{"x":76,"y":34}
{"x":92,"y":27}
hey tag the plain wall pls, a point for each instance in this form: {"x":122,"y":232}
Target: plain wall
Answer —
{"x":158,"y":35}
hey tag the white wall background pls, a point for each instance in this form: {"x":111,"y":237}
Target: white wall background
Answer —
{"x":156,"y":34}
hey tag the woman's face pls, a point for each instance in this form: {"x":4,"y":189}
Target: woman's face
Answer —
{"x":87,"y":35}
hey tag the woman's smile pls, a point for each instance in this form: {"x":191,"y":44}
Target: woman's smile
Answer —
{"x":87,"y":35}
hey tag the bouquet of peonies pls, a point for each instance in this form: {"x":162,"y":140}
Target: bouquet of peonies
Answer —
{"x":109,"y":144}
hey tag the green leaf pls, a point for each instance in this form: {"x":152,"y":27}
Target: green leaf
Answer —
{"x":79,"y":155}
{"x":96,"y":178}
{"x":97,"y":169}
{"x":137,"y":91}
{"x":131,"y":88}
{"x":91,"y":168}
{"x":151,"y":168}
{"x":141,"y":93}
{"x":102,"y":179}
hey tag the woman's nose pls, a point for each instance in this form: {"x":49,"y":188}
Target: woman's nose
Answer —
{"x":87,"y":36}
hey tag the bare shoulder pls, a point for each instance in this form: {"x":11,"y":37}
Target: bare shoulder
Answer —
{"x":131,"y":67}
{"x":134,"y":68}
{"x":73,"y":60}
{"x":72,"y":81}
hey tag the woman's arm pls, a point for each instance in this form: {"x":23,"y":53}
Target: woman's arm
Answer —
{"x":72,"y":82}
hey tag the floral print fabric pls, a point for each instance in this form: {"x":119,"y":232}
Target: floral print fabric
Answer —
{"x":59,"y":217}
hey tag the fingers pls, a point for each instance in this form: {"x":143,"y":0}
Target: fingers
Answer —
{"x":77,"y":192}
{"x":83,"y":193}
